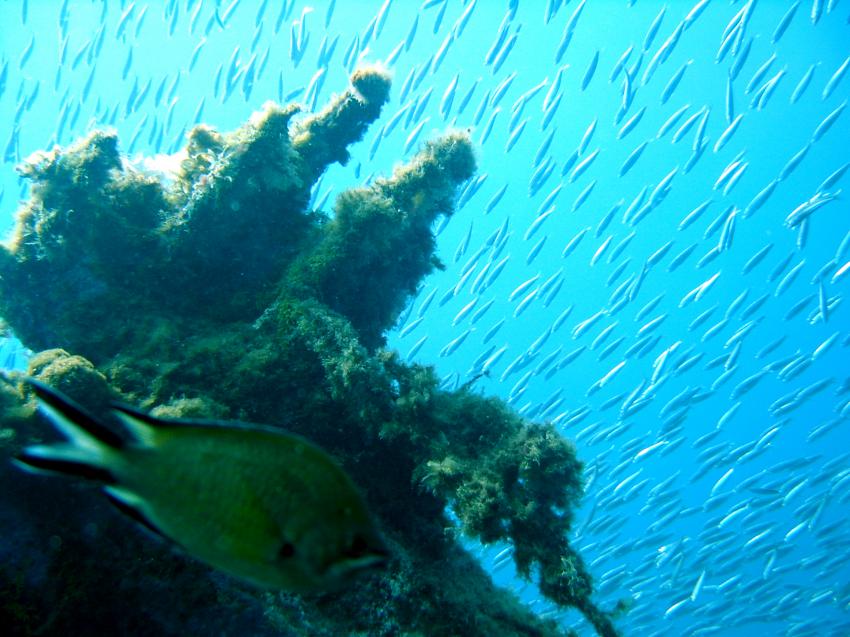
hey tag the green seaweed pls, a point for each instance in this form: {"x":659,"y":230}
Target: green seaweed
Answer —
{"x":208,"y":288}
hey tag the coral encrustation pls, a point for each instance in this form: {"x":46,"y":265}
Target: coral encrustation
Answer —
{"x":214,"y":291}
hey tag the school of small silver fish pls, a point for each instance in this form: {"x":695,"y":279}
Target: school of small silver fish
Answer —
{"x":653,"y":256}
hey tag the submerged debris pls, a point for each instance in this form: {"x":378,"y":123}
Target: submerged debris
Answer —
{"x":208,"y":288}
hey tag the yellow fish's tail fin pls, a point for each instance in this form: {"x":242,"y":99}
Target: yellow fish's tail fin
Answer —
{"x":91,"y":445}
{"x":64,"y":458}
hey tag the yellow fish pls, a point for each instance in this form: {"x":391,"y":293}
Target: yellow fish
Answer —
{"x":265,"y":506}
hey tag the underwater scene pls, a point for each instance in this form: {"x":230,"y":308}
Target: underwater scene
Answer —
{"x":441,"y":317}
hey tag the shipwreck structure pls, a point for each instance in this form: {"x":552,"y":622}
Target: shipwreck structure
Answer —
{"x":214,"y":291}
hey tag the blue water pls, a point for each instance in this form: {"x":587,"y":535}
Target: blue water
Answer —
{"x":700,"y":551}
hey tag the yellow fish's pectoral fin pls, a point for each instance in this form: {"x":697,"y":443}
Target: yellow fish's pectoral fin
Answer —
{"x":132,"y":506}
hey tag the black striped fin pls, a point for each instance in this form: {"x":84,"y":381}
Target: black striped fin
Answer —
{"x":144,"y":428}
{"x":142,"y":416}
{"x":41,"y":459}
{"x":122,"y":502}
{"x":61,"y":407}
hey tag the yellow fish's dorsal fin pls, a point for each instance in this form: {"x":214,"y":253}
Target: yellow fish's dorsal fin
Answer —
{"x":144,"y":428}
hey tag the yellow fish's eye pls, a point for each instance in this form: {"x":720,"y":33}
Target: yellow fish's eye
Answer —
{"x":286,"y":550}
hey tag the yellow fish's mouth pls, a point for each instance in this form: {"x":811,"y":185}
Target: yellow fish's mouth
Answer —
{"x":363,"y":554}
{"x":370,"y":561}
{"x":340,"y":571}
{"x":358,"y":558}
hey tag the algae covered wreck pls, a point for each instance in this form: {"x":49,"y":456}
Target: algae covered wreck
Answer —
{"x":217,"y":293}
